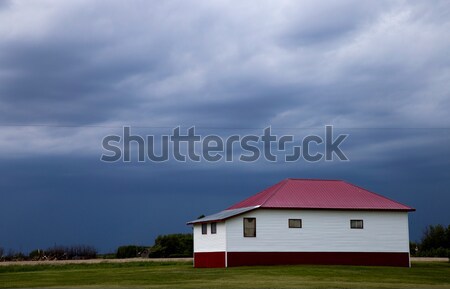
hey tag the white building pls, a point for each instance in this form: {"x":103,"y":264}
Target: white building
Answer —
{"x":300,"y":221}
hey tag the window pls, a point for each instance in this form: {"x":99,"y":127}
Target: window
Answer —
{"x":356,"y":224}
{"x":213,"y":228}
{"x":204,"y":229}
{"x":249,"y":227}
{"x":295,"y":223}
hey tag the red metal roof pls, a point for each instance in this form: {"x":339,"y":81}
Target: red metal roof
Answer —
{"x":320,"y":194}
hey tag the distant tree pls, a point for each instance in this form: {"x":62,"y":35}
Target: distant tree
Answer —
{"x":435,"y":237}
{"x":81,"y":252}
{"x":71,"y":252}
{"x":36,"y":254}
{"x":56,"y":253}
{"x":1,"y":253}
{"x":201,"y":216}
{"x":129,"y":251}
{"x":172,"y":245}
{"x":447,"y":237}
{"x":435,"y":242}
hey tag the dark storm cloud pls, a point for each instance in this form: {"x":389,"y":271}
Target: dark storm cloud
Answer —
{"x":53,"y":82}
{"x":329,"y":22}
{"x":93,"y":65}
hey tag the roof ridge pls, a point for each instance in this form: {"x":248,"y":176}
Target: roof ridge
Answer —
{"x":282,"y":184}
{"x":381,"y":196}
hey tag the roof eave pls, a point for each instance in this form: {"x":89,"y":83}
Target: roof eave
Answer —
{"x":208,"y":221}
{"x":409,"y":209}
{"x":200,"y":221}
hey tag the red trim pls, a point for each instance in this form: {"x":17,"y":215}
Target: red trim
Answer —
{"x":316,"y":258}
{"x":209,"y":260}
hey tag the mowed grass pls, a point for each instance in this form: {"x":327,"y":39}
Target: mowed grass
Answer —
{"x":182,"y":275}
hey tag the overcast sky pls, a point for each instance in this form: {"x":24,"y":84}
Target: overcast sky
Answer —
{"x":72,"y":72}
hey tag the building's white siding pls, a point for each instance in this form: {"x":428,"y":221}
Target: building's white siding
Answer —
{"x":210,"y":242}
{"x":322,"y":231}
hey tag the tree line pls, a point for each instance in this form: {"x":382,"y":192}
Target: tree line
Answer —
{"x":165,"y":246}
{"x":435,"y":242}
{"x":75,"y":252}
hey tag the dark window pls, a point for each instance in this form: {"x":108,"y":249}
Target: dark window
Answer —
{"x":213,"y":228}
{"x":204,"y":229}
{"x":356,"y":224}
{"x":249,"y":227}
{"x":295,"y":223}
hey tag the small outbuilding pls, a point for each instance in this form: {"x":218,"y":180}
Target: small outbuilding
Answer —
{"x":305,"y":221}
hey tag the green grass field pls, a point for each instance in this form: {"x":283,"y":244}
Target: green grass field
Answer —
{"x":182,"y":275}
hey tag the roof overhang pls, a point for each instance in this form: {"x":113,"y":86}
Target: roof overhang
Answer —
{"x":409,"y":209}
{"x":223,"y":215}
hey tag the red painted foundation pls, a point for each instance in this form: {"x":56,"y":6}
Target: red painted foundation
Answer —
{"x":319,"y":258}
{"x":217,"y":259}
{"x":209,"y":260}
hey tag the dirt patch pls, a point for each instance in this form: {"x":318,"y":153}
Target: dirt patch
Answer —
{"x":95,"y":261}
{"x":428,"y":259}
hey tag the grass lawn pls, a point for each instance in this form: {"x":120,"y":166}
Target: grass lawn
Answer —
{"x":182,"y":275}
